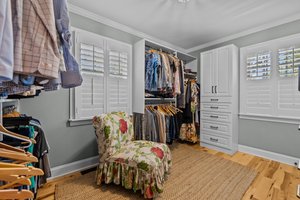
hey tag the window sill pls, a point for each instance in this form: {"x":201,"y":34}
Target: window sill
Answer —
{"x":267,"y":118}
{"x":79,"y":122}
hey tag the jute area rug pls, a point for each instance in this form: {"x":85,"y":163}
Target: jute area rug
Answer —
{"x":195,"y":175}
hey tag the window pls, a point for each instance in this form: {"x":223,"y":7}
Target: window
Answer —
{"x":105,"y":67}
{"x":288,"y":61}
{"x":269,"y":88}
{"x":259,"y":66}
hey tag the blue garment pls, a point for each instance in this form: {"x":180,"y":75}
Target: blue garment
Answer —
{"x":153,"y":62}
{"x":72,"y":77}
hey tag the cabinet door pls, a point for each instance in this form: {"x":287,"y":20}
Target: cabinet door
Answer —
{"x":223,"y":72}
{"x":207,"y":73}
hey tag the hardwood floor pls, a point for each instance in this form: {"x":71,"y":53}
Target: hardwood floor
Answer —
{"x":275,"y":181}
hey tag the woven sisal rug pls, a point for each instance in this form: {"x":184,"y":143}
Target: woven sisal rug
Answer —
{"x":195,"y":175}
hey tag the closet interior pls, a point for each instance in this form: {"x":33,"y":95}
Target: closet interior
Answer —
{"x":166,"y":96}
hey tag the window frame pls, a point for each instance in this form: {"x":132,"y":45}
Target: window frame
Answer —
{"x":276,"y":113}
{"x":79,"y":121}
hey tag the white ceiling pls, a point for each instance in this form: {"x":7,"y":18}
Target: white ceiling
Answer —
{"x":196,"y":23}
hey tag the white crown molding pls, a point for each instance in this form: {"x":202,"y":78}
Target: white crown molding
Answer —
{"x":269,"y":155}
{"x":103,"y":20}
{"x":245,"y":33}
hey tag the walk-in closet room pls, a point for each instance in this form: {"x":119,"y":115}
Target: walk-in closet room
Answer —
{"x":149,"y":99}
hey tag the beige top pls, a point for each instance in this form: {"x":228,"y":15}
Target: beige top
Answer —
{"x":40,"y":52}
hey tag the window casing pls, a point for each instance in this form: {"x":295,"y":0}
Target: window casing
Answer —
{"x":274,"y":96}
{"x":106,"y":70}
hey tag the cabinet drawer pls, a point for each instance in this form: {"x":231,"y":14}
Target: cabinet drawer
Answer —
{"x":216,"y":128}
{"x":216,"y":107}
{"x":216,"y":99}
{"x":215,"y":116}
{"x":215,"y":140}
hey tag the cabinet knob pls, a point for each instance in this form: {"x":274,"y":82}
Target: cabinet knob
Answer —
{"x":214,"y":107}
{"x":213,"y":140}
{"x":214,"y":127}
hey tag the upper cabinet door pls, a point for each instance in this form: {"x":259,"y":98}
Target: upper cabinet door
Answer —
{"x":223,"y":72}
{"x":207,"y":74}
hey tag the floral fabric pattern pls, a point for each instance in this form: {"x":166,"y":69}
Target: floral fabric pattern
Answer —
{"x":137,"y":165}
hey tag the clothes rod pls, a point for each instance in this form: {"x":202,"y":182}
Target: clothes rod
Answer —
{"x":160,"y":99}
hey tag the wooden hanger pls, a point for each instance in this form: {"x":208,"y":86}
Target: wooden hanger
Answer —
{"x":4,"y":131}
{"x":8,"y":147}
{"x":17,"y":156}
{"x":16,"y":194}
{"x":26,"y":171}
{"x":14,"y":181}
{"x":10,"y":165}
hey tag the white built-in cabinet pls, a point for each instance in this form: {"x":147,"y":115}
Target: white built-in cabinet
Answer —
{"x":219,"y":99}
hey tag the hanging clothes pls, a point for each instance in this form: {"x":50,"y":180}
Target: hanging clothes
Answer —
{"x":188,"y":129}
{"x":6,"y":43}
{"x":158,"y":124}
{"x":71,"y":77}
{"x":163,"y":74}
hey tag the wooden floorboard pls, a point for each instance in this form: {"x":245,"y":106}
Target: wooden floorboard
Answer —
{"x":275,"y":181}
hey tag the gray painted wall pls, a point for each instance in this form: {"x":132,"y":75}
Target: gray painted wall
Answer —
{"x":276,"y":137}
{"x":68,"y":144}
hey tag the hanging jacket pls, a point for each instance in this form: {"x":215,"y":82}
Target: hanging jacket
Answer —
{"x":72,"y":77}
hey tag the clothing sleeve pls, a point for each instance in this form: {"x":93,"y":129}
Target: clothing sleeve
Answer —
{"x":6,"y":41}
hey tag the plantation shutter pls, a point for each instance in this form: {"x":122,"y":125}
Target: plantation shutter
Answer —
{"x":118,"y":80}
{"x":90,"y":96}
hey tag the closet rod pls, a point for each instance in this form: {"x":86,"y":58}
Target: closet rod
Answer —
{"x":161,"y":49}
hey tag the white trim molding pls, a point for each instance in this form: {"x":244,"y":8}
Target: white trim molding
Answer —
{"x":269,"y":155}
{"x":245,"y":33}
{"x":285,"y":120}
{"x":106,"y":21}
{"x":74,"y":167}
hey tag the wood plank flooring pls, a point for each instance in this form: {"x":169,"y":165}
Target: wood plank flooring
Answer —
{"x":275,"y":181}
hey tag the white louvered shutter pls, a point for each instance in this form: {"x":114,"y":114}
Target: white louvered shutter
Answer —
{"x":118,"y":79}
{"x":90,"y":96}
{"x":288,"y":94}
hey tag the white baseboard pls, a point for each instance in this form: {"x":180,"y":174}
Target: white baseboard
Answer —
{"x":74,"y":167}
{"x":269,"y":155}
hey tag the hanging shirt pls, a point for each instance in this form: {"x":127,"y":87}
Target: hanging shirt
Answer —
{"x":40,"y":52}
{"x":6,"y":41}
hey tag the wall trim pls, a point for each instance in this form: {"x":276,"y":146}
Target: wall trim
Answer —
{"x":74,"y":167}
{"x":269,"y":155}
{"x":245,"y":33}
{"x":265,"y":118}
{"x":106,"y":21}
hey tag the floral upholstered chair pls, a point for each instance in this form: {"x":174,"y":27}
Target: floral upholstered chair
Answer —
{"x":137,"y":165}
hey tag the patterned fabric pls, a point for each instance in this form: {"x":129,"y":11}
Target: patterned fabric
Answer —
{"x":40,"y":53}
{"x":137,"y":165}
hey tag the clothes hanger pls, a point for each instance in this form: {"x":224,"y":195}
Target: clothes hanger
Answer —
{"x":8,"y":133}
{"x":8,"y":147}
{"x":25,"y":171}
{"x":14,"y":181}
{"x":21,"y":157}
{"x":10,"y":165}
{"x":16,"y":194}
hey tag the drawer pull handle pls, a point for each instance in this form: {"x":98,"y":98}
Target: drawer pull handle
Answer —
{"x":214,"y":116}
{"x":214,"y":107}
{"x":214,"y":127}
{"x":213,"y":140}
{"x":214,"y":99}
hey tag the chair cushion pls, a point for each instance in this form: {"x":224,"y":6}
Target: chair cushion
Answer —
{"x":144,"y":155}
